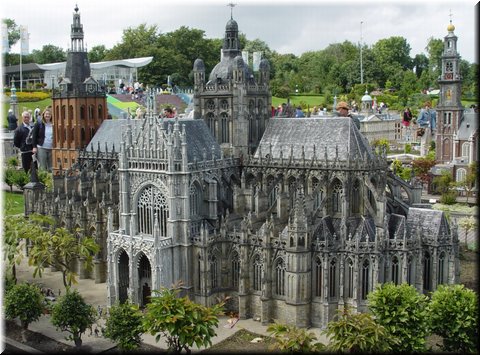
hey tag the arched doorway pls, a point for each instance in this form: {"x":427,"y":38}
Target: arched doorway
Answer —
{"x":144,"y":280}
{"x":123,"y":277}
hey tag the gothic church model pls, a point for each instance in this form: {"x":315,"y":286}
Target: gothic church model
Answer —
{"x":291,"y":218}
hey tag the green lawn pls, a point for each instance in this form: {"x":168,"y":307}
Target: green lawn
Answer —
{"x":25,"y":106}
{"x":13,"y":203}
{"x":297,"y":99}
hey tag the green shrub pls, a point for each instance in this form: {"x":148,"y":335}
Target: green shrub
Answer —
{"x":124,"y":326}
{"x":448,"y":198}
{"x":182,"y":322}
{"x":12,"y":162}
{"x":20,"y":178}
{"x":453,"y":315}
{"x":358,"y":333}
{"x":401,"y":310}
{"x":292,"y":339}
{"x":73,"y":315}
{"x":24,"y":301}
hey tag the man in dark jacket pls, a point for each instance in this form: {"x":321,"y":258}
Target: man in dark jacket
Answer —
{"x":12,"y":120}
{"x":20,"y":141}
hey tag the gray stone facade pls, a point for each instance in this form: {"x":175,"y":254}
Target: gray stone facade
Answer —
{"x":292,"y":224}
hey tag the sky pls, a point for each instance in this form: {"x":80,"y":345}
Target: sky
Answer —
{"x":286,"y":26}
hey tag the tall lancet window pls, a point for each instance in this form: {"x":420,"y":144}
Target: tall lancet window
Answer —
{"x":235,"y":268}
{"x":356,"y":197}
{"x":195,"y":199}
{"x":257,"y":273}
{"x":280,"y":278}
{"x":225,"y":128}
{"x":152,"y":207}
{"x":337,"y":196}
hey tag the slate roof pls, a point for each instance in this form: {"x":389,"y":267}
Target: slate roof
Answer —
{"x":199,"y":138}
{"x":340,"y":133}
{"x":468,"y":125}
{"x":430,"y":223}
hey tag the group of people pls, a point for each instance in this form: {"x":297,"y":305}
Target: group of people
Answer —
{"x":34,"y":138}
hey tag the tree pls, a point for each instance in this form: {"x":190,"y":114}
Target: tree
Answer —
{"x":468,"y":184}
{"x":58,"y":247}
{"x":12,"y":243}
{"x":445,"y":184}
{"x":453,"y":315}
{"x":381,"y":144}
{"x":434,"y":49}
{"x":9,"y":177}
{"x":402,"y":311}
{"x":467,"y":223}
{"x":293,"y":339}
{"x":421,"y":168}
{"x":73,"y":315}
{"x":392,"y":55}
{"x":358,"y":333}
{"x":97,"y":54}
{"x":124,"y":326}
{"x":24,"y":301}
{"x":182,"y":322}
{"x":13,"y":32}
{"x":49,"y":54}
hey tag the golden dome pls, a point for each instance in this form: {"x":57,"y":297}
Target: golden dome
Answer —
{"x":450,"y":27}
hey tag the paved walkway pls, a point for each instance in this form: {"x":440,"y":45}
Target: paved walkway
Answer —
{"x":96,"y":294}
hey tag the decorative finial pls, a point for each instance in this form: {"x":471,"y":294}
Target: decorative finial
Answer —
{"x":76,"y":8}
{"x":232,"y":5}
{"x":450,"y":15}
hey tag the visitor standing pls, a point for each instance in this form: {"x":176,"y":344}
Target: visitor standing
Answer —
{"x":299,"y":113}
{"x":22,"y":139}
{"x":43,"y":140}
{"x":343,"y":111}
{"x":12,"y":120}
{"x":407,"y":117}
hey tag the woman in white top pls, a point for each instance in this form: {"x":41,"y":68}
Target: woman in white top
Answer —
{"x":43,"y":140}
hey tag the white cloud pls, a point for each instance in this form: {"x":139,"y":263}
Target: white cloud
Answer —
{"x":285,"y":27}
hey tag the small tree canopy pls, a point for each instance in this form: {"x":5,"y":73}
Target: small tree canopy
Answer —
{"x":73,"y":315}
{"x":124,"y":326}
{"x":24,"y":301}
{"x":182,"y":322}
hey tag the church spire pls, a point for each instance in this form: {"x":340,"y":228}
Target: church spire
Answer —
{"x":231,"y":43}
{"x":76,"y":33}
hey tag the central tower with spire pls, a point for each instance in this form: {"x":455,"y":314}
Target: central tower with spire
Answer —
{"x":235,"y":102}
{"x":79,"y":103}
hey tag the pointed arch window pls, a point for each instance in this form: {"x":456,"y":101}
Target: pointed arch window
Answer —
{"x":100,"y":111}
{"x":365,"y":279}
{"x":211,"y":123}
{"x":349,"y":278}
{"x":410,"y":270}
{"x":356,"y":196}
{"x":332,"y":279}
{"x":318,"y":277}
{"x":225,"y":135}
{"x":152,"y":209}
{"x":280,"y":278}
{"x":427,"y":272}
{"x":235,"y":267}
{"x":337,"y":191}
{"x":257,"y":273}
{"x":195,"y":200}
{"x":442,"y":269}
{"x":199,"y":272}
{"x":214,"y":271}
{"x":395,"y":270}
